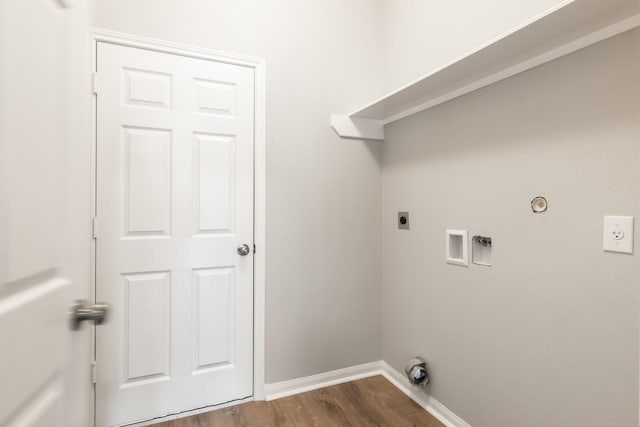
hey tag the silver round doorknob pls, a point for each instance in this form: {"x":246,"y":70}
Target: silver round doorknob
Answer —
{"x":243,"y":250}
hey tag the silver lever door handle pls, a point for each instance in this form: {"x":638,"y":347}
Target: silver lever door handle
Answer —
{"x":243,"y":250}
{"x":80,"y":310}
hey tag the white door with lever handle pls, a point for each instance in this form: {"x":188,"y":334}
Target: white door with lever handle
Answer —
{"x":174,"y":242}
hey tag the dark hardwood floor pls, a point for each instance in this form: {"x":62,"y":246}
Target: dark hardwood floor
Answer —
{"x":364,"y":403}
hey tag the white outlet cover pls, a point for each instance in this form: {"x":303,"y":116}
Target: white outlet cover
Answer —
{"x":618,"y":234}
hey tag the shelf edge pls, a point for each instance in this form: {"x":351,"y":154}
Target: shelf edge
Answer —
{"x":469,"y":53}
{"x":566,"y":49}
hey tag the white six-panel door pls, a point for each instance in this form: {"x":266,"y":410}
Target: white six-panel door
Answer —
{"x":174,"y":201}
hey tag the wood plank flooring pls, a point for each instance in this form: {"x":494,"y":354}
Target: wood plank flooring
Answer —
{"x":368,"y":402}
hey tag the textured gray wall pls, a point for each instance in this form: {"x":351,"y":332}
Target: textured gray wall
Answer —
{"x":547,"y":336}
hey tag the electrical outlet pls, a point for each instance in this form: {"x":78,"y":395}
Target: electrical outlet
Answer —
{"x":403,"y":220}
{"x":618,"y":234}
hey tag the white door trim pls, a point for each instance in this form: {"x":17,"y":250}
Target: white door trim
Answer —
{"x":98,"y":35}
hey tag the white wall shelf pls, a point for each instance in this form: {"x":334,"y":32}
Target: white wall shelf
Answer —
{"x":568,"y":27}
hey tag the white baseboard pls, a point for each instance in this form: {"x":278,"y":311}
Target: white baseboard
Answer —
{"x":429,"y":403}
{"x":300,"y":385}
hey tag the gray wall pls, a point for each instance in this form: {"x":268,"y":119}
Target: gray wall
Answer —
{"x":547,"y":336}
{"x":422,"y":35}
{"x":323,"y":193}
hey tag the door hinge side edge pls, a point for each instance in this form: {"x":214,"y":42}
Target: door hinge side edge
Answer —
{"x":94,"y":83}
{"x":94,"y":227}
{"x":94,"y":374}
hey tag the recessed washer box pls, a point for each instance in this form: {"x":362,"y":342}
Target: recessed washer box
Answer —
{"x":457,"y":247}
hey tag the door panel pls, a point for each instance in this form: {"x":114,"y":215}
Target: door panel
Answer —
{"x":213,"y":291}
{"x":147,"y":302}
{"x":213,"y":178}
{"x":32,"y":361}
{"x":216,"y":97}
{"x":147,"y":181}
{"x":174,"y":201}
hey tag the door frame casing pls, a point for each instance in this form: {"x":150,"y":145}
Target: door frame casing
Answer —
{"x":96,"y":35}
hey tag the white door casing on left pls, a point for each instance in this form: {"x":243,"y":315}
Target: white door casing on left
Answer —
{"x":174,"y":200}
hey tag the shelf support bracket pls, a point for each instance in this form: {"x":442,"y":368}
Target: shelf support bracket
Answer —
{"x":357,"y":127}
